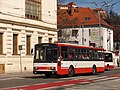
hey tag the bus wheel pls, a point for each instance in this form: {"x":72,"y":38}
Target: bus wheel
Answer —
{"x":47,"y":75}
{"x":108,"y":67}
{"x":94,"y":70}
{"x":71,"y":72}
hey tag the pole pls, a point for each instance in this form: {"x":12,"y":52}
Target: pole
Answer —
{"x":20,"y":48}
{"x":99,"y":29}
{"x":82,"y":34}
{"x":20,"y":62}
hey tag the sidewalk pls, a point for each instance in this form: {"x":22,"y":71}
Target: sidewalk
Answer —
{"x":11,"y":75}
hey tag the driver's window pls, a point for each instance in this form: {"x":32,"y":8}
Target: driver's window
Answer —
{"x":37,"y":54}
{"x":41,"y":54}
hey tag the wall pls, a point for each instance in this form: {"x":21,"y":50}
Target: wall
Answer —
{"x":13,"y":7}
{"x":93,"y":36}
{"x":13,"y":21}
{"x":49,"y":10}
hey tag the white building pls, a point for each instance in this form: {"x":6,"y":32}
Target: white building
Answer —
{"x":26,"y":23}
{"x":84,"y":27}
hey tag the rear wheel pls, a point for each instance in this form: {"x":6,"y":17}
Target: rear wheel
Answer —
{"x":108,"y":67}
{"x":94,"y":71}
{"x":71,"y":72}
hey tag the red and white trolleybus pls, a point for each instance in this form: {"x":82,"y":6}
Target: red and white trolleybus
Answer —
{"x":109,"y":65}
{"x":67,"y":59}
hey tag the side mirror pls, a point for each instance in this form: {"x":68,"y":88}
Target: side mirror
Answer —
{"x":32,"y":51}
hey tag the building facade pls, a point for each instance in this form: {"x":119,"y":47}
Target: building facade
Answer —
{"x":24,"y":23}
{"x":84,"y":27}
{"x":89,"y":36}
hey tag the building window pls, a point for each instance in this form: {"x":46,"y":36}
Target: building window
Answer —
{"x":87,"y":18}
{"x":39,"y":40}
{"x":50,"y":40}
{"x":15,"y":43}
{"x":1,"y":43}
{"x":33,"y":9}
{"x":28,"y":44}
{"x":74,"y":33}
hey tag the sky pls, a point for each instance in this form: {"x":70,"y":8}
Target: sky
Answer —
{"x":112,"y":4}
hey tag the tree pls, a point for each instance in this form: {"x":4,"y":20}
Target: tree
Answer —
{"x":114,"y":21}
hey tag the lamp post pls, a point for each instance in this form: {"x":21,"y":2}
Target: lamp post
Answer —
{"x":20,"y":48}
{"x":82,"y":24}
{"x":99,"y":29}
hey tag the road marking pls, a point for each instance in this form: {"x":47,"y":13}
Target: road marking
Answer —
{"x":66,"y":82}
{"x":49,"y":85}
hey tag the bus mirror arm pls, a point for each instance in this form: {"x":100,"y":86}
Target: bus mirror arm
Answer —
{"x":32,"y":51}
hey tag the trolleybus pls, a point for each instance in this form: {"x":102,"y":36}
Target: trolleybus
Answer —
{"x":67,"y":59}
{"x":109,"y":65}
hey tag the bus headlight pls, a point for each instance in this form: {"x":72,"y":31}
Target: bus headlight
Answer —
{"x":52,"y":68}
{"x":35,"y":68}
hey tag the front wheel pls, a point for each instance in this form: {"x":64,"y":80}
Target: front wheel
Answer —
{"x":71,"y":72}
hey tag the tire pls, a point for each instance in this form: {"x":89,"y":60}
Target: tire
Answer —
{"x":94,"y":71}
{"x":108,"y":68}
{"x":71,"y":72}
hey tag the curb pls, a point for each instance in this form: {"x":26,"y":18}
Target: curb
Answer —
{"x":11,"y":75}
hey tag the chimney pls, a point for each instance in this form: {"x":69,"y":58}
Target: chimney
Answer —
{"x":71,"y":10}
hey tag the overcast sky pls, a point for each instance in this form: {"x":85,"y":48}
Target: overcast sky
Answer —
{"x":114,"y":4}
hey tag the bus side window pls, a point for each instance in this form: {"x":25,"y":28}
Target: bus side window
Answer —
{"x":64,"y":52}
{"x":71,"y":53}
{"x":70,"y":56}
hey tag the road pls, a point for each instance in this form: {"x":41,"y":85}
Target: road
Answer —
{"x":109,"y":80}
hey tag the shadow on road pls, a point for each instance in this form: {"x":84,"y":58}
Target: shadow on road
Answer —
{"x":57,"y":76}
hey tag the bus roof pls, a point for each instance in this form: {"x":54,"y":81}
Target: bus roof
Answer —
{"x":79,"y":46}
{"x":75,"y":45}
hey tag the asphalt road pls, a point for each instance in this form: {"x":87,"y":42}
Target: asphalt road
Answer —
{"x":79,"y":82}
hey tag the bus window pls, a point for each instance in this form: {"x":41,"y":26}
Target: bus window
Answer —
{"x":51,"y":54}
{"x":100,"y":55}
{"x":37,"y":54}
{"x":77,"y":53}
{"x":71,"y":52}
{"x":108,"y":57}
{"x":46,"y":52}
{"x":70,"y":56}
{"x":41,"y":54}
{"x":64,"y":52}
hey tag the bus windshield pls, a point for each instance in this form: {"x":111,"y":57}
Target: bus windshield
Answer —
{"x":46,"y":53}
{"x":108,"y":57}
